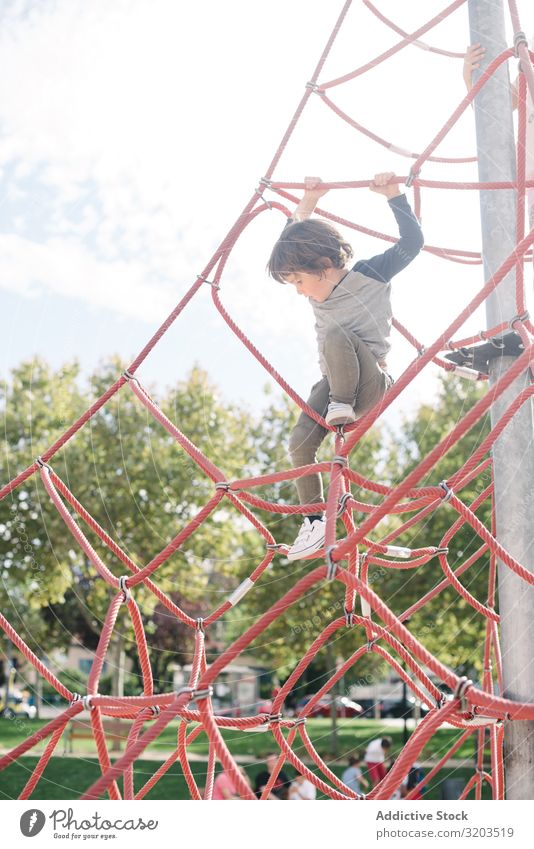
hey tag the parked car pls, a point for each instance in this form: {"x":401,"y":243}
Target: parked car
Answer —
{"x":16,"y":706}
{"x":400,"y":708}
{"x":344,"y":707}
{"x":347,"y":707}
{"x":368,"y":707}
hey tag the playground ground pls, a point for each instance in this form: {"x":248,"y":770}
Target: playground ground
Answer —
{"x":67,"y":776}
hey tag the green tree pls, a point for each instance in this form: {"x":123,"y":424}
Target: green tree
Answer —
{"x":136,"y":481}
{"x":448,"y":626}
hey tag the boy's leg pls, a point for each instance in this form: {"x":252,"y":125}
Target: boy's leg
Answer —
{"x":354,"y":376}
{"x":305,"y":440}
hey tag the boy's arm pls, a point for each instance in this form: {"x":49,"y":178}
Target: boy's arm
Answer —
{"x":313,"y":190}
{"x":384,"y":266}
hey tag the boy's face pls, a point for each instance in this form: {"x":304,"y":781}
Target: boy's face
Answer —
{"x":314,"y":286}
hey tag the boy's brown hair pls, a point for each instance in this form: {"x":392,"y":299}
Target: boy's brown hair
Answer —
{"x":310,"y":246}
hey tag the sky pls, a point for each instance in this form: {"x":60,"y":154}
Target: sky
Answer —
{"x":132,"y":134}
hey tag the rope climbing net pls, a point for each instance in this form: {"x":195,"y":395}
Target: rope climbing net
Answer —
{"x":346,"y":560}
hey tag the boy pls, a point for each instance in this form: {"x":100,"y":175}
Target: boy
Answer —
{"x":353,"y":324}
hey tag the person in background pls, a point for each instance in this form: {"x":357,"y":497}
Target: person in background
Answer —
{"x":415,"y":775}
{"x":224,"y":788}
{"x":353,"y":776}
{"x":302,"y":790}
{"x":281,"y":785}
{"x":375,"y":758}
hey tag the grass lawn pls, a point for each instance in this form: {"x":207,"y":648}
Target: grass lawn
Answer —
{"x":67,"y":778}
{"x":352,"y":735}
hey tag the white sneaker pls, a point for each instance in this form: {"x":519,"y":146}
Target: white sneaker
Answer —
{"x":309,"y":539}
{"x":339,"y":414}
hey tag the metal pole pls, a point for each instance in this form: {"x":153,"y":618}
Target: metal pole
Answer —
{"x":333,"y":706}
{"x":513,"y":453}
{"x":405,"y":734}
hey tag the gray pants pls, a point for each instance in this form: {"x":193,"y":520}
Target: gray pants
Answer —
{"x":353,"y":377}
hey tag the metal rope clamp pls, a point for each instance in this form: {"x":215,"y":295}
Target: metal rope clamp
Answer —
{"x":345,"y":498}
{"x":123,"y":586}
{"x":331,"y":564}
{"x":370,"y":643}
{"x":447,"y":490}
{"x":522,"y":318}
{"x":275,"y":546}
{"x":87,"y":702}
{"x":463,"y":685}
{"x":202,"y":694}
{"x":76,"y":697}
{"x":200,"y":624}
{"x":183,"y":690}
{"x":349,"y":618}
{"x":222,"y":485}
{"x":340,"y":461}
{"x":41,"y":464}
{"x":156,"y":710}
{"x":413,"y":175}
{"x":195,"y":694}
{"x":274,"y":717}
{"x":519,"y":38}
{"x":264,"y":199}
{"x":300,"y":721}
{"x":209,"y":282}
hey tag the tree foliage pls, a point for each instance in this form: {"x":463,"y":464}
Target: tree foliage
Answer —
{"x":135,"y":481}
{"x":143,"y":489}
{"x":448,"y":626}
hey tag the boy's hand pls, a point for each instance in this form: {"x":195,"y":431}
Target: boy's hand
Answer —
{"x":314,"y":188}
{"x":382,"y":186}
{"x":473,"y":57}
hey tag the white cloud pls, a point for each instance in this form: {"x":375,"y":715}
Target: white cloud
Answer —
{"x":65,"y":267}
{"x":134,"y":133}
